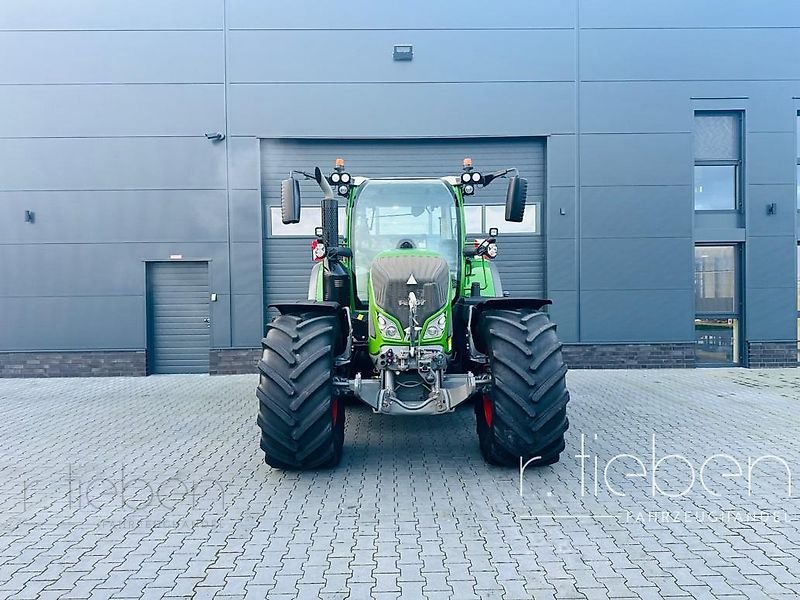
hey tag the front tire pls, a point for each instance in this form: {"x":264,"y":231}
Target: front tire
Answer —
{"x":524,"y":414}
{"x":301,"y":420}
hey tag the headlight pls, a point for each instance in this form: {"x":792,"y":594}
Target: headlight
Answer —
{"x":491,"y":250}
{"x":345,"y":177}
{"x":465,"y":177}
{"x":476,"y":177}
{"x":387,"y":328}
{"x":469,"y":189}
{"x":343,"y":189}
{"x":436,"y":327}
{"x":335,"y":178}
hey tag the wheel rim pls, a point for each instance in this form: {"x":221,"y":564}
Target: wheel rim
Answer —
{"x":488,"y":410}
{"x":335,"y":410}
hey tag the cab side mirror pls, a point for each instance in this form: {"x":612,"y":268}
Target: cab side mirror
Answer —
{"x":515,"y":198}
{"x":290,"y":201}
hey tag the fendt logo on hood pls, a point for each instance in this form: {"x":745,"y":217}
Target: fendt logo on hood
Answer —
{"x":411,"y":280}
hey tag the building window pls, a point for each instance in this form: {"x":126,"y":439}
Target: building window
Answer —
{"x":481,"y":217}
{"x":310,"y":219}
{"x":473,"y":218}
{"x":496,"y":217}
{"x":717,"y":161}
{"x":717,"y":314}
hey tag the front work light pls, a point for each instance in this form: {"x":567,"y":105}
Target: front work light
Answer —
{"x":435,"y":328}
{"x":387,"y":328}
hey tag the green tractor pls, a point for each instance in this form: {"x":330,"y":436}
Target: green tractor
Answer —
{"x":407,"y":315}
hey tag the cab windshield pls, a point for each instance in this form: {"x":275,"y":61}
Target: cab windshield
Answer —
{"x":413,"y":213}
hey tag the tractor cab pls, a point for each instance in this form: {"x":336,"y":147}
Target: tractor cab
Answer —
{"x":403,"y":214}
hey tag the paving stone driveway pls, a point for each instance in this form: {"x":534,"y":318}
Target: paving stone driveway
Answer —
{"x":143,"y":488}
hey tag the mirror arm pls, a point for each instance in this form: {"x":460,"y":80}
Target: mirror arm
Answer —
{"x":487,"y":179}
{"x":318,"y":177}
{"x":293,"y":172}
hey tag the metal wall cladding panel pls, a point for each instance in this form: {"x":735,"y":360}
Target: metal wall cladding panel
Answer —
{"x":769,"y":158}
{"x":636,"y":211}
{"x":247,"y":325}
{"x":69,"y":270}
{"x":688,"y":13}
{"x":112,"y":110}
{"x":759,"y":221}
{"x":367,"y":14}
{"x":562,"y":271}
{"x":689,"y":54}
{"x":637,"y":315}
{"x":111,"y":14}
{"x":72,"y":322}
{"x":366,"y":56}
{"x":562,"y":153}
{"x":244,"y":167}
{"x":177,"y":307}
{"x":245,"y":215}
{"x":636,"y":107}
{"x":112,"y":57}
{"x":636,"y":264}
{"x":246,"y":267}
{"x":401,"y":110}
{"x":774,"y":316}
{"x":111,"y":164}
{"x":287,"y":262}
{"x":560,"y":213}
{"x":98,"y":217}
{"x":631,"y":159}
{"x":771,"y":262}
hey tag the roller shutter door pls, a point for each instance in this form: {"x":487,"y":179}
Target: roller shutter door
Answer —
{"x":178,"y":317}
{"x":287,"y":255}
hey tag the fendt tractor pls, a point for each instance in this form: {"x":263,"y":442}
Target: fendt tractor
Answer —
{"x":407,"y":315}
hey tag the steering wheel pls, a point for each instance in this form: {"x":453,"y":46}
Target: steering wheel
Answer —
{"x":406,"y":244}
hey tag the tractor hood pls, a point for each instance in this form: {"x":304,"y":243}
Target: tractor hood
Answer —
{"x":401,"y":277}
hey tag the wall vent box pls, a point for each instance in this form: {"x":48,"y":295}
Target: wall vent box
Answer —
{"x":403,"y":52}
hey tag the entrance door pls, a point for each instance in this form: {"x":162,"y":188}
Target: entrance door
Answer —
{"x":178,"y":317}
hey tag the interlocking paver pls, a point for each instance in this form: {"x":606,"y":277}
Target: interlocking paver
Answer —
{"x":155,"y":487}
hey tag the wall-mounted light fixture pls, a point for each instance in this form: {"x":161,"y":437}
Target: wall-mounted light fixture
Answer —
{"x":30,"y":216}
{"x":403,"y":52}
{"x":215,"y":136}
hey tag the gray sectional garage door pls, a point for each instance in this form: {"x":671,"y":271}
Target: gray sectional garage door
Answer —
{"x":287,"y":258}
{"x":178,"y":317}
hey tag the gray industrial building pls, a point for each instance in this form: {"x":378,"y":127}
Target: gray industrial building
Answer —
{"x":142,"y":143}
